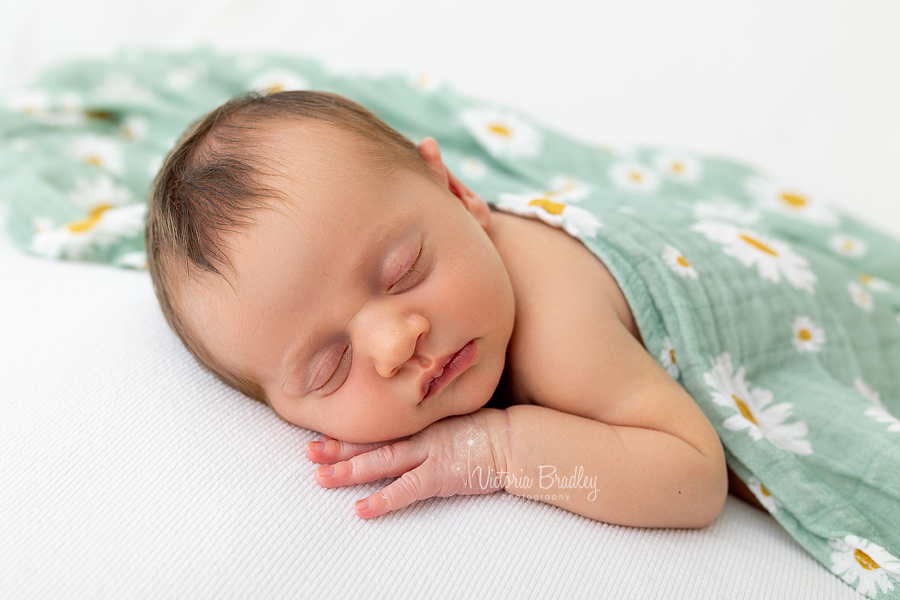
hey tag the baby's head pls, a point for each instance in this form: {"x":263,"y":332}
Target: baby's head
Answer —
{"x":313,"y":258}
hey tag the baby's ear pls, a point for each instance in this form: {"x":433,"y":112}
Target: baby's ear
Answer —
{"x":428,"y":150}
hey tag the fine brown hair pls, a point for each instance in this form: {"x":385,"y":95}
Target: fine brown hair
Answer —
{"x":211,"y":182}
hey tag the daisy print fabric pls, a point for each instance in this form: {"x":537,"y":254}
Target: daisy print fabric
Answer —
{"x":779,"y":314}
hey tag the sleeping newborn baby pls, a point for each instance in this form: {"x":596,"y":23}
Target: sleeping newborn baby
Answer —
{"x":316,"y":260}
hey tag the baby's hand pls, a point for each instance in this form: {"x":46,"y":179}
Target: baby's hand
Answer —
{"x":458,"y":455}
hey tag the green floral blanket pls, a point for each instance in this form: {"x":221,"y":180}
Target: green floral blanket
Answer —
{"x":779,"y":314}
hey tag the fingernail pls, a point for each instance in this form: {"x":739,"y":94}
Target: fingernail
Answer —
{"x":361,"y":505}
{"x":326,"y":471}
{"x":317,"y":446}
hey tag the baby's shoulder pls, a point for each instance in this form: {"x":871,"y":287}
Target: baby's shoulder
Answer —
{"x":570,"y":312}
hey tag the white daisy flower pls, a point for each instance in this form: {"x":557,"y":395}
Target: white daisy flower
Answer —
{"x":102,"y":191}
{"x":70,"y":102}
{"x":134,"y":128}
{"x":723,"y":208}
{"x":574,"y":220}
{"x":789,"y":201}
{"x":278,"y":80}
{"x":667,"y":359}
{"x":31,"y":102}
{"x":847,"y":245}
{"x":121,"y":87}
{"x":878,"y":411}
{"x":869,"y":566}
{"x":425,"y":82}
{"x":679,"y":167}
{"x":98,"y":151}
{"x":109,"y":216}
{"x":67,"y":112}
{"x":40,"y":105}
{"x":808,"y":337}
{"x":874,"y":283}
{"x":762,"y":494}
{"x":181,"y":78}
{"x":678,"y":263}
{"x":860,"y":296}
{"x":155,"y":165}
{"x":502,"y":134}
{"x":866,"y":392}
{"x":634,"y":177}
{"x":473,"y":168}
{"x":248,"y":62}
{"x":133,"y":260}
{"x":772,"y":258}
{"x":754,"y":410}
{"x":568,"y":189}
{"x":103,"y":226}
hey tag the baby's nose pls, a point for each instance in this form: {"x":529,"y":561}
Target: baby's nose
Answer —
{"x":397,"y":342}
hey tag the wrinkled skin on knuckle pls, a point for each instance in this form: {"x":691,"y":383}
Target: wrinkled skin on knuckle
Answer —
{"x":412,"y":485}
{"x":382,"y":458}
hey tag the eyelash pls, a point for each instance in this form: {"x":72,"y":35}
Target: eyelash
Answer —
{"x":411,"y":270}
{"x":346,"y":357}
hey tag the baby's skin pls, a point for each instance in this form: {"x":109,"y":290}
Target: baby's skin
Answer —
{"x":385,"y":308}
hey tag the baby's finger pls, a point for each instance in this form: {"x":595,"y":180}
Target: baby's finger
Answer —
{"x":391,"y":460}
{"x":414,"y":485}
{"x":330,"y":450}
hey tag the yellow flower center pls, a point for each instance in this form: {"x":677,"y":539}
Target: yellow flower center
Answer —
{"x":848,"y":244}
{"x":745,"y":411}
{"x":865,"y":278}
{"x":91,"y":220}
{"x":93,"y":159}
{"x":274,"y":89}
{"x":683,"y":262}
{"x":500,"y":129}
{"x":98,"y":114}
{"x":793,"y":200}
{"x":677,"y":167}
{"x":865,"y":561}
{"x":672,"y":356}
{"x":757,"y":244}
{"x":636,"y":176}
{"x":554,"y":208}
{"x":804,"y":335}
{"x":764,"y":491}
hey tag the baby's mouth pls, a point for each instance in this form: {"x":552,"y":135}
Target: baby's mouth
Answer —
{"x":455,"y":364}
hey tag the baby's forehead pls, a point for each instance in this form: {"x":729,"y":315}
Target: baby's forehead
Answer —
{"x":316,"y":145}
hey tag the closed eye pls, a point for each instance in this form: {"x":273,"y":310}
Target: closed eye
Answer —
{"x":413,"y":276}
{"x":339,"y":375}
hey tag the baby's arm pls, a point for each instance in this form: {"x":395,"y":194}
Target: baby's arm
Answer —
{"x":627,"y":444}
{"x":656,"y":457}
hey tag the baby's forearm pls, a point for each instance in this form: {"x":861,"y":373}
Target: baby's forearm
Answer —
{"x":622,"y":475}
